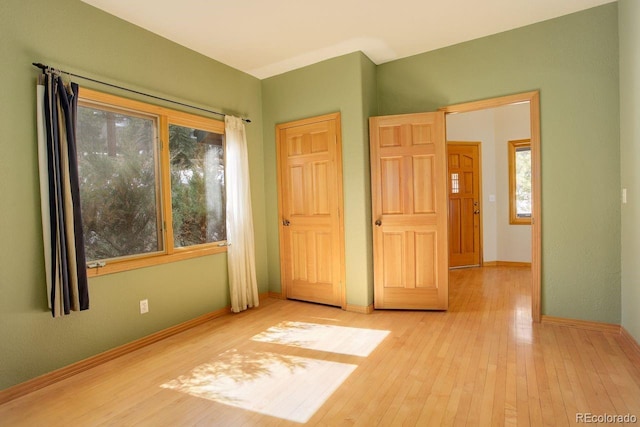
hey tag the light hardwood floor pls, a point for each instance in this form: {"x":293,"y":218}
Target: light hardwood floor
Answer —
{"x":481,"y":363}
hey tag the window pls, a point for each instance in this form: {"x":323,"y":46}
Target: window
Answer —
{"x":520,"y":181}
{"x":151,"y":183}
{"x":455,"y":183}
{"x":197,"y":186}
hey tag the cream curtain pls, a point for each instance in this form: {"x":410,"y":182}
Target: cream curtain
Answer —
{"x":241,"y":252}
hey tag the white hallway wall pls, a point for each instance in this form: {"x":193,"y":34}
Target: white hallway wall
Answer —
{"x":494,"y":128}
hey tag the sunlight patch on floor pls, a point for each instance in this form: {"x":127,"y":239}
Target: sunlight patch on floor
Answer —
{"x":282,"y":386}
{"x":334,"y":339}
{"x":522,"y":327}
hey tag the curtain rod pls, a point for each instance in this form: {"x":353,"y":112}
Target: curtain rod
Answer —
{"x":46,"y":67}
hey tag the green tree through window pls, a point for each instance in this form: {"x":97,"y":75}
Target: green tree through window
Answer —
{"x":197,"y":186}
{"x":118,"y":192}
{"x":151,"y":182}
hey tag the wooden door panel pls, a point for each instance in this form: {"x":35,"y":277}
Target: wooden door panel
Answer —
{"x":310,"y":201}
{"x":421,"y":134}
{"x":467,"y":161}
{"x":324,"y":258}
{"x":320,"y":192}
{"x":426,"y":259}
{"x":390,"y":136}
{"x":455,"y":225}
{"x":468,"y":184}
{"x":299,"y":264}
{"x":454,"y":161}
{"x":314,"y":255}
{"x":297,"y":192}
{"x":294,"y":145}
{"x":408,"y":172}
{"x":392,"y":202}
{"x":423,"y":184}
{"x":410,"y":299}
{"x":313,"y":275}
{"x":393,"y":258}
{"x":319,"y":142}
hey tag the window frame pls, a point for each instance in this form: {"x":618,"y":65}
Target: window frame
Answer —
{"x":514,"y":145}
{"x":165,"y":116}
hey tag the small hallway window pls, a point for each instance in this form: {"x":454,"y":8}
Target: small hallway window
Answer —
{"x":520,"y":181}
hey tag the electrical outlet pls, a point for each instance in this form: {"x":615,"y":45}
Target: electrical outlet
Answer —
{"x":144,"y":306}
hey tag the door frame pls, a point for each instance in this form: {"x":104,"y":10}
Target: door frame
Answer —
{"x":481,"y":227}
{"x":533,"y":98}
{"x":340,"y":199}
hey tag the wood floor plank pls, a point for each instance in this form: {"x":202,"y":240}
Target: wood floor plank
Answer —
{"x":556,"y":380}
{"x":483,"y":362}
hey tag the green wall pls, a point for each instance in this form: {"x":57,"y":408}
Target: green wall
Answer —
{"x":573,"y":62}
{"x":629,"y":16}
{"x":347,"y":85}
{"x":79,"y":38}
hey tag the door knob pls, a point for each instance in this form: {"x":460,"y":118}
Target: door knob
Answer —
{"x":378,"y":223}
{"x":477,"y":211}
{"x":286,"y":222}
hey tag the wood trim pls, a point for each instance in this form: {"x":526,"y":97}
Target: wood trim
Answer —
{"x":340,"y":196}
{"x":533,"y":98}
{"x":276,"y":295}
{"x":581,"y":324}
{"x":536,"y":219}
{"x":107,"y":99}
{"x":506,"y":264}
{"x":165,"y":172}
{"x":165,"y":117}
{"x":483,"y":104}
{"x":308,"y":120}
{"x":53,"y":377}
{"x":363,"y":309}
{"x":368,"y":309}
{"x":630,"y":340}
{"x":159,"y":259}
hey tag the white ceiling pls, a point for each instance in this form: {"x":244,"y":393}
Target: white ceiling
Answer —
{"x":264,"y":38}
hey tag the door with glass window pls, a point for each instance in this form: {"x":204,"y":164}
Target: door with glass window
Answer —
{"x":463,"y":164}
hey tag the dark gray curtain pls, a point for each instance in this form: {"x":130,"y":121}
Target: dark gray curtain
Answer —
{"x":60,"y":195}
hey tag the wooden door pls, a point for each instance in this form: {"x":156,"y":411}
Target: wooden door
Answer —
{"x":409,"y":206}
{"x":310,"y":204}
{"x":463,"y":161}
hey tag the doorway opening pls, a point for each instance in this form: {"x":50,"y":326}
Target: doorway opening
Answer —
{"x":519,"y":101}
